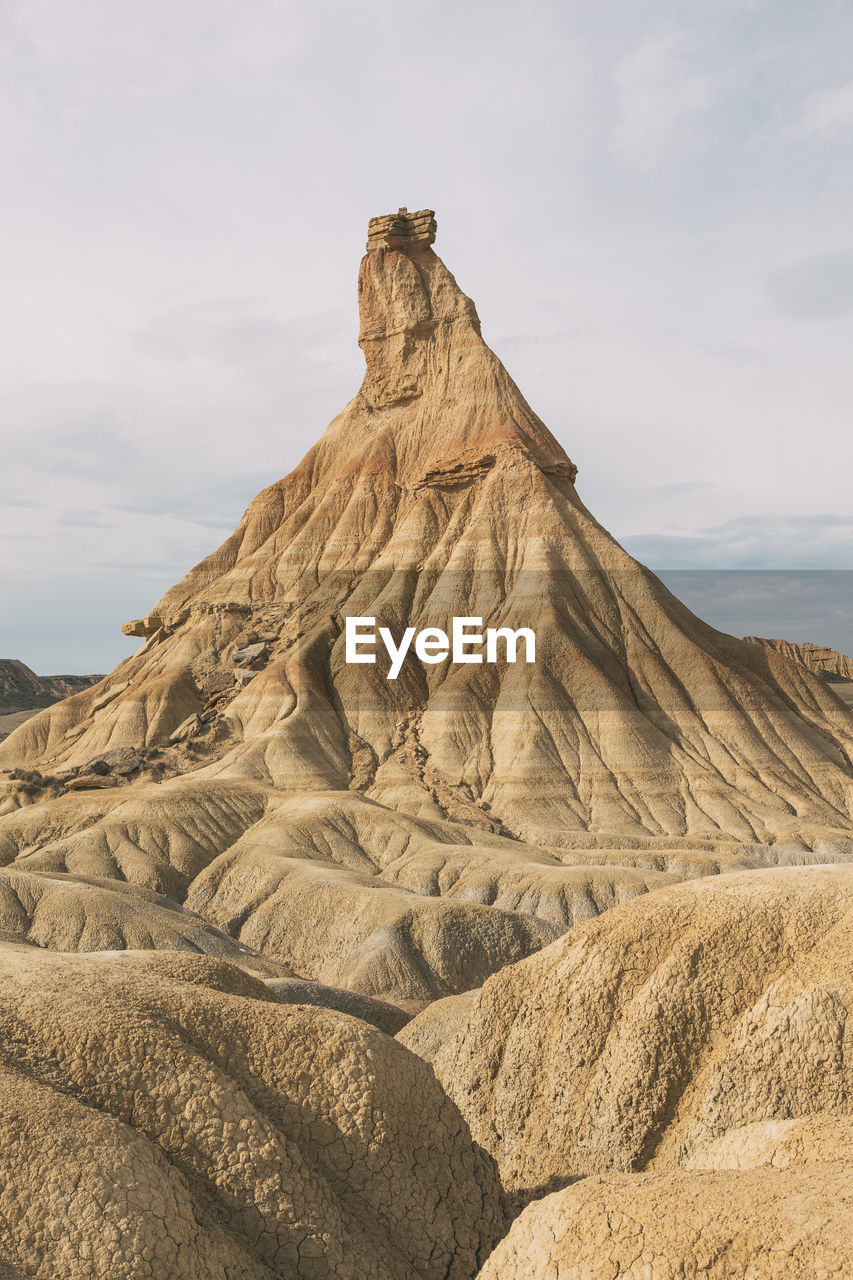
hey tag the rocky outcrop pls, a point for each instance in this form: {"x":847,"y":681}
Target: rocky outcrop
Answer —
{"x":401,"y":230}
{"x":439,"y":493}
{"x":77,"y":914}
{"x":405,"y":838}
{"x":226,"y":860}
{"x":335,"y":888}
{"x":827,"y":663}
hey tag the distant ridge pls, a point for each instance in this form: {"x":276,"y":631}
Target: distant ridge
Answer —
{"x":824,"y":662}
{"x":21,"y":689}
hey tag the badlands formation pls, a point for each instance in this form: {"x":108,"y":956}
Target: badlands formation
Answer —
{"x":590,"y":895}
{"x":826,"y":662}
{"x":21,"y":689}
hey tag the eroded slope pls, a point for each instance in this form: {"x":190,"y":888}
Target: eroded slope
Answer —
{"x":643,"y":1038}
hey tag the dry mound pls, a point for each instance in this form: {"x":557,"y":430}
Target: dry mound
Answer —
{"x":763,"y":1224}
{"x":642,"y":1038}
{"x":387,"y":1017}
{"x":161,"y":1117}
{"x":334,"y":887}
{"x":69,"y":914}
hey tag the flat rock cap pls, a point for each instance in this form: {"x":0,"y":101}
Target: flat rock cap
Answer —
{"x":396,"y":230}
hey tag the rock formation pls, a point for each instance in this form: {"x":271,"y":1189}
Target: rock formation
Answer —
{"x":401,"y":230}
{"x":680,"y":1069}
{"x":21,"y":689}
{"x":355,"y":828}
{"x":234,"y":859}
{"x":828,"y":663}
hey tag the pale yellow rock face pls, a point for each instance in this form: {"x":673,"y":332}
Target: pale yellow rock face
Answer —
{"x":663,"y":1034}
{"x":783,"y":1144}
{"x":161,"y":1116}
{"x":681,"y":1068}
{"x":761,"y":1225}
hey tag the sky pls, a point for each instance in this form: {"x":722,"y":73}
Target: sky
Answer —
{"x":651,"y":203}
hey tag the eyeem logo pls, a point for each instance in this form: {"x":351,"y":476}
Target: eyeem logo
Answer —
{"x":432,"y":644}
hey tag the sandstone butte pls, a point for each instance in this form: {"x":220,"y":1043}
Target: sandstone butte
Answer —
{"x":595,"y":889}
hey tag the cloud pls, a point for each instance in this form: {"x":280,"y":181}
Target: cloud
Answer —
{"x":237,"y":331}
{"x":684,"y":489}
{"x":738,"y":354}
{"x":83,"y":519}
{"x":814,"y":605}
{"x":522,"y":341}
{"x":828,"y":113}
{"x":658,"y":87}
{"x":764,"y":541}
{"x":815,"y":288}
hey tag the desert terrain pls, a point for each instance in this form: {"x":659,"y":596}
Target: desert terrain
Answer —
{"x":11,"y":719}
{"x":23,"y":693}
{"x":833,"y":667}
{"x":495,"y":969}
